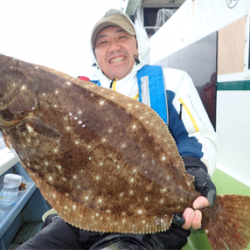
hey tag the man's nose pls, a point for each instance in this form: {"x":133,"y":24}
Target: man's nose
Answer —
{"x":114,"y":45}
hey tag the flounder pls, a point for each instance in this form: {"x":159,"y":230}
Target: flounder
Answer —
{"x":105,"y":162}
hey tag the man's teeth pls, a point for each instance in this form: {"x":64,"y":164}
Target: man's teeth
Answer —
{"x":117,"y":59}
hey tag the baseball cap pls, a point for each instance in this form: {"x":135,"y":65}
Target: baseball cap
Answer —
{"x":117,"y":19}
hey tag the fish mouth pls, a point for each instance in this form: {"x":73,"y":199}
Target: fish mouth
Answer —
{"x":117,"y":59}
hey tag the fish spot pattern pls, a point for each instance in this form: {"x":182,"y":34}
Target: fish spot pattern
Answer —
{"x":105,"y":162}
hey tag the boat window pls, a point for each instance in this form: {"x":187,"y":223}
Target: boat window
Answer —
{"x":154,"y":18}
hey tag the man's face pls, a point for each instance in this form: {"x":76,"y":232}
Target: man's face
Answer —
{"x":114,"y":51}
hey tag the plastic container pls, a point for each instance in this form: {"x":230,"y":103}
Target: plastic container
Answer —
{"x":9,"y":193}
{"x":3,"y":211}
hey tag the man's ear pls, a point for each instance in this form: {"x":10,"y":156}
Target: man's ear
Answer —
{"x":137,"y":61}
{"x":136,"y":42}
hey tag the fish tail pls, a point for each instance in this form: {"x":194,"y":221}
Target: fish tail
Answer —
{"x":227,"y":222}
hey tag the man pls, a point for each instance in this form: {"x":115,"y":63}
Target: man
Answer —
{"x":120,"y":52}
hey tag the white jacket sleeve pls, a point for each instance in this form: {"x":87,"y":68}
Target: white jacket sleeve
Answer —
{"x":193,"y":114}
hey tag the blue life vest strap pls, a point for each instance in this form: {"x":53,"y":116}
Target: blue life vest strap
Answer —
{"x":150,"y":78}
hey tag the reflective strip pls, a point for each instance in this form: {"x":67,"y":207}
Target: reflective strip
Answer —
{"x":114,"y":88}
{"x":189,"y":114}
{"x":136,"y":96}
{"x":145,"y":90}
{"x":114,"y":84}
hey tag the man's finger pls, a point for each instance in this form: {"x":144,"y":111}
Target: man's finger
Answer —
{"x":196,"y":221}
{"x":188,"y":216}
{"x":201,"y":202}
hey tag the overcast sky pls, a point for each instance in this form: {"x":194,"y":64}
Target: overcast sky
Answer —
{"x":53,"y":33}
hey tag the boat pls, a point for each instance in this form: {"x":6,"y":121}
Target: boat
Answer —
{"x":210,"y":41}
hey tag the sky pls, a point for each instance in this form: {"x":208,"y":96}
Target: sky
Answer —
{"x":53,"y":33}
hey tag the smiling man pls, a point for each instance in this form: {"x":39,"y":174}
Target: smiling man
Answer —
{"x":115,"y":51}
{"x":121,"y":60}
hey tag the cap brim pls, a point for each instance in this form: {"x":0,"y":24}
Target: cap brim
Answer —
{"x":113,"y":20}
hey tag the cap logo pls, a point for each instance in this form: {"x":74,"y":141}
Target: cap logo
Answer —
{"x":231,"y":3}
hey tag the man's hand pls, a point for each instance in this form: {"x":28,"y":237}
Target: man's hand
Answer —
{"x":205,"y":186}
{"x":193,"y":216}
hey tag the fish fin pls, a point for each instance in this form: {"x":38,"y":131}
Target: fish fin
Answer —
{"x":86,"y":218}
{"x":227,"y":222}
{"x":41,"y":128}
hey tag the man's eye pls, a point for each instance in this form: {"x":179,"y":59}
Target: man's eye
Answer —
{"x":103,"y":42}
{"x":100,"y":43}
